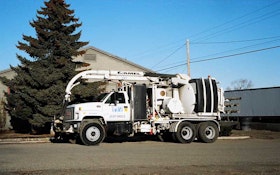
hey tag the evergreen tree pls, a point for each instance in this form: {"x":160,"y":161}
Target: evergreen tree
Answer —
{"x":37,"y":91}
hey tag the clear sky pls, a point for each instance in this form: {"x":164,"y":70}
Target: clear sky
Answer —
{"x":153,"y":33}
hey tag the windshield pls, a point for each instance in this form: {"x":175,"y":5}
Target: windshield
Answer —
{"x":79,"y":99}
{"x":101,"y":97}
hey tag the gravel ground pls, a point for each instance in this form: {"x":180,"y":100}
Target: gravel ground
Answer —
{"x":257,"y":134}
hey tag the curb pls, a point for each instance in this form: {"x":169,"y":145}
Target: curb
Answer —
{"x":233,"y":137}
{"x":25,"y":140}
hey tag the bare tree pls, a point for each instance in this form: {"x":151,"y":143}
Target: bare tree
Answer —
{"x":240,"y":84}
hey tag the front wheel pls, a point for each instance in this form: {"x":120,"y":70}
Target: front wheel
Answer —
{"x":92,"y":133}
{"x":208,"y":132}
{"x":186,"y":132}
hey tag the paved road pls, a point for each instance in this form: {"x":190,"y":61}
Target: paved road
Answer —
{"x":251,"y":156}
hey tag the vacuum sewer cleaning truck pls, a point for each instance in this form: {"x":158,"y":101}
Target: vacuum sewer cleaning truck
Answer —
{"x":170,"y":106}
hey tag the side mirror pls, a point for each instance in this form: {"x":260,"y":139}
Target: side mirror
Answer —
{"x":116,"y":102}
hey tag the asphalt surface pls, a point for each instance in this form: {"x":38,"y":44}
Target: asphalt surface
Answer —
{"x":11,"y":137}
{"x":246,"y":156}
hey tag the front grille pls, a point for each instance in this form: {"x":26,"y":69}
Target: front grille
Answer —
{"x":69,"y":114}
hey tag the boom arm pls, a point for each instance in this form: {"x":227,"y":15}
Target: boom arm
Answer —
{"x":129,"y":76}
{"x":102,"y":75}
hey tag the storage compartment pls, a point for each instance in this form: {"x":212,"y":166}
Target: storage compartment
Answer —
{"x":139,"y":106}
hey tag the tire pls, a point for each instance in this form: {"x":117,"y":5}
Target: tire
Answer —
{"x":208,"y":132}
{"x":92,"y":133}
{"x":186,"y":132}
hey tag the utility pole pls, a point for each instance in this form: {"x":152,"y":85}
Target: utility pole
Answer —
{"x":188,"y":58}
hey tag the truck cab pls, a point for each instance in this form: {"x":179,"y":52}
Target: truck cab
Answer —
{"x":109,"y":107}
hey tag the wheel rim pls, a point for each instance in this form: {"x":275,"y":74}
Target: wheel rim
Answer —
{"x":93,"y":133}
{"x":186,"y":133}
{"x":210,"y":132}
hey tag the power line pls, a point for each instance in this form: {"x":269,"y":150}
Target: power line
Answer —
{"x":244,"y":24}
{"x":241,"y":25}
{"x":236,"y":41}
{"x":236,"y":49}
{"x":169,"y":55}
{"x":211,"y":55}
{"x":231,"y":28}
{"x":237,"y":54}
{"x":156,"y":49}
{"x":221,"y":57}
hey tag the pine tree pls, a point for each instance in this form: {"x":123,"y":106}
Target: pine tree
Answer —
{"x":37,"y":91}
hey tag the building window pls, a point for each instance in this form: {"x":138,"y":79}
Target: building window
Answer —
{"x":91,"y":57}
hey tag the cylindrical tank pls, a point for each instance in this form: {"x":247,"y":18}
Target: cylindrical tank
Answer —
{"x":187,"y":97}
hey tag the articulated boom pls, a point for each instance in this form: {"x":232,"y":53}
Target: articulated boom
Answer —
{"x":103,"y":75}
{"x":127,"y":76}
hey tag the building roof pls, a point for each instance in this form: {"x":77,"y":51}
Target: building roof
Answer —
{"x":105,"y":53}
{"x":5,"y":71}
{"x":117,"y":58}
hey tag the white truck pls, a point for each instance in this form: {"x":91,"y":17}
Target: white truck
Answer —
{"x":170,"y":106}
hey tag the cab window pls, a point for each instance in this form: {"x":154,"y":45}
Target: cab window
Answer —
{"x":119,"y":97}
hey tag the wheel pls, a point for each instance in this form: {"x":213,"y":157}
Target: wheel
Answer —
{"x":92,"y":133}
{"x":186,"y":132}
{"x":208,"y":132}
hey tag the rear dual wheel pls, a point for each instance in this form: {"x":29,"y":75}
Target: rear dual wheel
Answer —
{"x":186,"y":132}
{"x":208,"y":132}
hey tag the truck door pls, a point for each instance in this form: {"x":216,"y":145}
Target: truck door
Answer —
{"x":116,"y":107}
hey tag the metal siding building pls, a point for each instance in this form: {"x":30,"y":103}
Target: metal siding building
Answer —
{"x":262,"y":102}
